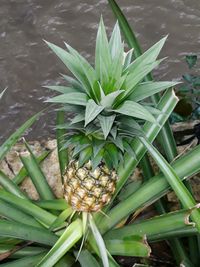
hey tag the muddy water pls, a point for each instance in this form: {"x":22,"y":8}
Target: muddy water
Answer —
{"x":26,"y":63}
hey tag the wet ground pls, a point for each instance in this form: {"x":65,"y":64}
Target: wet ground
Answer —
{"x":26,"y":63}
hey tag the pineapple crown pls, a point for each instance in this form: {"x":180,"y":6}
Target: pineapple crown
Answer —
{"x":109,"y":100}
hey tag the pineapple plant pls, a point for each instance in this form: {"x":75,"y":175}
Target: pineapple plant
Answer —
{"x":109,"y":107}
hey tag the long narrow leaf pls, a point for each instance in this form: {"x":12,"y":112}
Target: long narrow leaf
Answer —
{"x":86,"y":259}
{"x":134,"y":246}
{"x":126,"y":29}
{"x":36,"y":174}
{"x":100,"y":242}
{"x":92,"y":111}
{"x":72,"y":63}
{"x":175,"y":182}
{"x":22,"y":174}
{"x":10,"y":186}
{"x":62,"y":154}
{"x":12,"y":213}
{"x":155,"y":227}
{"x":147,"y":89}
{"x":79,"y":99}
{"x":28,"y":207}
{"x":56,"y":204}
{"x":168,"y":142}
{"x":69,"y":238}
{"x":24,"y":262}
{"x":152,"y":190}
{"x":6,"y":146}
{"x":27,"y":232}
{"x":133,"y":109}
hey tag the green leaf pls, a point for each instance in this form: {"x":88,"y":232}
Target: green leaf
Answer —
{"x":175,"y":182}
{"x":73,"y":64}
{"x":117,"y":55}
{"x":86,"y":259}
{"x":106,"y":123}
{"x":65,"y":261}
{"x":25,"y":261}
{"x":56,"y":204}
{"x":22,"y":174}
{"x":156,"y":228}
{"x":119,"y":143}
{"x":188,"y":78}
{"x":191,"y":60}
{"x":134,"y":246}
{"x":12,"y":140}
{"x":96,"y":160}
{"x":128,"y":58}
{"x":78,"y":118}
{"x":97,"y":146}
{"x":108,"y":100}
{"x":1,"y":94}
{"x":62,"y":154}
{"x":129,"y":189}
{"x":10,"y":212}
{"x":152,"y":110}
{"x":166,"y":104}
{"x":137,"y":75}
{"x":28,"y":207}
{"x":115,"y":43}
{"x":168,"y":143}
{"x":99,"y":241}
{"x":102,"y":56}
{"x":113,"y":152}
{"x":135,"y":110}
{"x":36,"y":174}
{"x":70,"y":98}
{"x":10,"y":186}
{"x":61,"y":89}
{"x":23,"y":252}
{"x":27,"y":232}
{"x":146,"y":89}
{"x":92,"y":111}
{"x":59,"y":221}
{"x":85,"y":155}
{"x":80,"y":147}
{"x":126,"y":29}
{"x":68,"y":239}
{"x":73,"y":82}
{"x":147,"y":57}
{"x":86,"y":67}
{"x":128,"y":148}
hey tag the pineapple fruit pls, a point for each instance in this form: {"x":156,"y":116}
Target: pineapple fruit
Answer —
{"x":109,"y":107}
{"x":86,"y":190}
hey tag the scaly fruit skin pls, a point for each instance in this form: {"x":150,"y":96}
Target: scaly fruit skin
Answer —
{"x":86,"y":190}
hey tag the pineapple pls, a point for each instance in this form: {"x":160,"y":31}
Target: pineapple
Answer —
{"x":109,"y":107}
{"x":86,"y":190}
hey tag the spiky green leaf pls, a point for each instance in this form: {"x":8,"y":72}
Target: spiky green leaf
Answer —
{"x":99,"y":241}
{"x":135,"y":110}
{"x":70,"y":98}
{"x":146,"y":89}
{"x":108,"y":100}
{"x":102,"y":55}
{"x":61,"y":89}
{"x":73,"y":82}
{"x":72,"y":63}
{"x":92,"y":111}
{"x":106,"y":123}
{"x":148,"y":57}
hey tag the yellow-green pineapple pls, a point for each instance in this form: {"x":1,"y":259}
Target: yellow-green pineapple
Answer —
{"x":109,"y":106}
